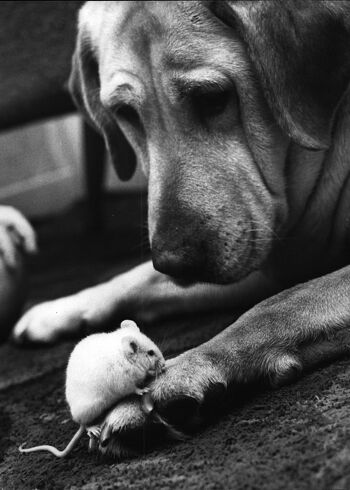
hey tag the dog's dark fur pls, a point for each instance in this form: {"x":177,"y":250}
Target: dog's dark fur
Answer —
{"x":238,"y":112}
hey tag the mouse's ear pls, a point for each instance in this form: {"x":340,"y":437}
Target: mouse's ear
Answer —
{"x":300,"y":51}
{"x":130,"y":346}
{"x":84,"y":86}
{"x":129,"y":324}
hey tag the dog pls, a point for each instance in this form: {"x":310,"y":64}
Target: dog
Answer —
{"x":238,"y":112}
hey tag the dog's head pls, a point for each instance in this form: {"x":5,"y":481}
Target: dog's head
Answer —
{"x":208,"y":96}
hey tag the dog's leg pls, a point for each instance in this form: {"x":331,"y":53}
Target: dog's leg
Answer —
{"x":275,"y":341}
{"x":141,"y":293}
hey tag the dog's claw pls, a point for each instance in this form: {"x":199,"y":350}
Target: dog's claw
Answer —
{"x":147,"y":402}
{"x":105,"y":435}
{"x":93,"y":444}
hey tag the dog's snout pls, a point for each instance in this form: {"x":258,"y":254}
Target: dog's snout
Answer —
{"x":179,"y":263}
{"x":168,"y":262}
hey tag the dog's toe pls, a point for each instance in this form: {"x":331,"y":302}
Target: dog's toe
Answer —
{"x":283,"y":369}
{"x":127,"y":428}
{"x":182,"y":397}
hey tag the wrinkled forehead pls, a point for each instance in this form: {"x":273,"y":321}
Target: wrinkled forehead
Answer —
{"x":133,"y":36}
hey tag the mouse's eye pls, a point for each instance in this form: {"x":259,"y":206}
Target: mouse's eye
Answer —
{"x":151,"y":353}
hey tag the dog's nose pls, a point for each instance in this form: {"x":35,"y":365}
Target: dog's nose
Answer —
{"x":180,"y":242}
{"x":179,"y":263}
{"x":167,"y":262}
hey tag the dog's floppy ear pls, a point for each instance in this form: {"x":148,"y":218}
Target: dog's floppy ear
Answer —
{"x":84,"y":85}
{"x":301,"y":53}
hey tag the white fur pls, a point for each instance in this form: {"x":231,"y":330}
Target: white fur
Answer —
{"x":102,"y":370}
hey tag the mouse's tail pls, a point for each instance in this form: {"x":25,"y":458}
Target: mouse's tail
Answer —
{"x":51,"y":449}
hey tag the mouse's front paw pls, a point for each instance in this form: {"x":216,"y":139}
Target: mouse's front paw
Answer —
{"x":190,"y":389}
{"x":49,"y":322}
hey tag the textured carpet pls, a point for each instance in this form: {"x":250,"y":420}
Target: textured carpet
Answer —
{"x":293,"y":438}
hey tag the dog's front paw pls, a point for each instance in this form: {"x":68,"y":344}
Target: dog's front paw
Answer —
{"x":182,"y":396}
{"x":49,"y":322}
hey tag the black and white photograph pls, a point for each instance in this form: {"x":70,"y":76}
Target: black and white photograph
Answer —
{"x":175,"y":245}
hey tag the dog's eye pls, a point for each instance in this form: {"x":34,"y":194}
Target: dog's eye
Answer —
{"x":151,"y":353}
{"x":210,"y":104}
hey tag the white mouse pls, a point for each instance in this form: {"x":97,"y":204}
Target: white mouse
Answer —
{"x":103,"y":369}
